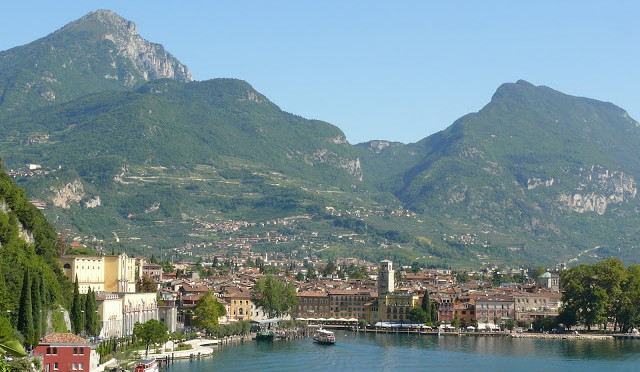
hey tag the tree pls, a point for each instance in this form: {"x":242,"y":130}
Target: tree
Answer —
{"x":207,"y":311}
{"x":274,"y":296}
{"x":151,"y":332}
{"x":434,"y":313}
{"x":584,"y":295}
{"x":8,"y":344}
{"x":611,"y":275}
{"x":455,"y":321}
{"x":329,"y":268}
{"x":76,"y":310}
{"x":630,"y":306}
{"x":417,"y":315}
{"x":25,"y":314}
{"x":426,"y":306}
{"x":415,"y":267}
{"x":92,"y":324}
{"x":463,"y":323}
{"x":510,"y":324}
{"x":146,"y":284}
{"x":299,"y":276}
{"x":36,"y":302}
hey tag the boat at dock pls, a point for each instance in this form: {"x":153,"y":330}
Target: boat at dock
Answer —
{"x":147,"y":365}
{"x":265,"y":336}
{"x":322,"y":336}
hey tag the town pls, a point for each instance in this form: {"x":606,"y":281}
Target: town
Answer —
{"x":348,"y":293}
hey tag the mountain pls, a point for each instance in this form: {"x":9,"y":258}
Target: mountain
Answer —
{"x":132,"y":154}
{"x":541,"y":171}
{"x":142,"y":150}
{"x":100,"y":51}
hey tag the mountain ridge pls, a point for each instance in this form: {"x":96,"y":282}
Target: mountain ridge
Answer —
{"x":534,"y":175}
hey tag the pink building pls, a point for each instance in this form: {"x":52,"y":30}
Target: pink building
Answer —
{"x":64,"y":352}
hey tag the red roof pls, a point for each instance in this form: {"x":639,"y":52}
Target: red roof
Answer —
{"x":63,"y":338}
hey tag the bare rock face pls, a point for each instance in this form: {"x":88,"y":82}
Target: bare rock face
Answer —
{"x":599,"y":189}
{"x":71,"y":192}
{"x":532,"y":183}
{"x":378,"y":146}
{"x":92,"y":202}
{"x":150,"y":60}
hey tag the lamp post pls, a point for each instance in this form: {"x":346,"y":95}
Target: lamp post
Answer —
{"x":83,"y":327}
{"x":9,"y":316}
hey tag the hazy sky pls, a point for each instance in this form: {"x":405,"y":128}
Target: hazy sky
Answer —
{"x":394,"y":70}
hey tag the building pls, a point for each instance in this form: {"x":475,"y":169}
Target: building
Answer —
{"x":465,"y":309}
{"x":549,"y":280}
{"x":138,"y":308}
{"x":240,"y":305}
{"x":531,"y":306}
{"x":119,"y":312}
{"x":392,"y":307}
{"x":386,"y":277}
{"x":349,"y":303}
{"x":444,"y":302}
{"x":65,"y":352}
{"x":102,"y":273}
{"x":109,"y":314}
{"x":153,"y":271}
{"x":494,"y":309}
{"x":312,"y":304}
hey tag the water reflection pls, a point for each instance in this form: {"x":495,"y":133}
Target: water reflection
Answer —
{"x":360,"y":352}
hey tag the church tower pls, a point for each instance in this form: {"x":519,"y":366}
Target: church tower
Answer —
{"x":386,"y":277}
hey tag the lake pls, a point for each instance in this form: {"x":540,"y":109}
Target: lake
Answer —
{"x":392,"y":352}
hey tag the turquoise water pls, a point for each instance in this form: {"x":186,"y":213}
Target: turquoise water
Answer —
{"x":391,"y":352}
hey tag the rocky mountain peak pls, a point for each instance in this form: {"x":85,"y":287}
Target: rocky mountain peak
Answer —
{"x":150,"y":60}
{"x":110,"y":19}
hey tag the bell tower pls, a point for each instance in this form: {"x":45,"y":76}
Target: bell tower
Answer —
{"x":386,"y":277}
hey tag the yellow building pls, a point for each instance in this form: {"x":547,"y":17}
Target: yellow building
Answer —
{"x":391,"y":307}
{"x":101,"y":273}
{"x":240,"y":305}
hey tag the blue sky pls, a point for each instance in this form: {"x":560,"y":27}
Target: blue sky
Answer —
{"x":396,"y":71}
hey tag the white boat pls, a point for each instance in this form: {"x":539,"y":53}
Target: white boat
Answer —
{"x":147,"y":365}
{"x":323,"y":336}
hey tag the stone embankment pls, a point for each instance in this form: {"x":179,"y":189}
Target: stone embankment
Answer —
{"x":563,"y":336}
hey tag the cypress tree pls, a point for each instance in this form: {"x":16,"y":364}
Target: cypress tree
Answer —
{"x":76,"y":307}
{"x":426,"y":306}
{"x":25,"y":315}
{"x":36,"y":305}
{"x":434,"y":313}
{"x":91,"y":323}
{"x":45,"y":307}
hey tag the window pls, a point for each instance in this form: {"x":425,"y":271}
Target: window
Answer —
{"x":75,"y":351}
{"x":75,"y":366}
{"x":55,"y":366}
{"x":81,"y":366}
{"x":55,"y":352}
{"x":48,"y":351}
{"x":81,"y":352}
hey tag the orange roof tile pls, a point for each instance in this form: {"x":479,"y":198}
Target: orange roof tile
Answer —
{"x":63,"y":338}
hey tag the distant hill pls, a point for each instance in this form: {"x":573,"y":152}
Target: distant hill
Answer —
{"x":543,"y":171}
{"x":111,"y":133}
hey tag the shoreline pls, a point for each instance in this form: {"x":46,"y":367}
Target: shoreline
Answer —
{"x":563,"y":336}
